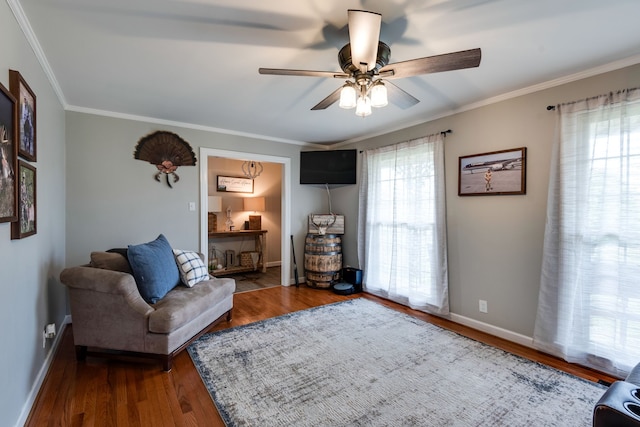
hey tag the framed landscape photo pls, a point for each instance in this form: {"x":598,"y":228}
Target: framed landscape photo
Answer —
{"x":26,"y":223}
{"x":496,"y":173}
{"x":26,"y":131}
{"x":8,"y":157}
{"x":234,"y":184}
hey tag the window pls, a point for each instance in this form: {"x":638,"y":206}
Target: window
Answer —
{"x":589,"y":309}
{"x":403,"y":240}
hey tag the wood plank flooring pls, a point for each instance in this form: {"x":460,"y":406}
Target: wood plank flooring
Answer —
{"x":137,"y":392}
{"x":254,"y":280}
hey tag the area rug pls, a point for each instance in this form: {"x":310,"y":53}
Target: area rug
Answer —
{"x":358,"y":363}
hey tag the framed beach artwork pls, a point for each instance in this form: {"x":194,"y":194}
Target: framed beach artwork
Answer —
{"x":26,"y":223}
{"x":8,"y":157}
{"x":496,"y":173}
{"x":26,"y":130}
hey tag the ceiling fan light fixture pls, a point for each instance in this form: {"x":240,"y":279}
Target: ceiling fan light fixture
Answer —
{"x":364,"y":33}
{"x":365,"y":63}
{"x":379,"y":95}
{"x":363,"y":106}
{"x":348,"y":96}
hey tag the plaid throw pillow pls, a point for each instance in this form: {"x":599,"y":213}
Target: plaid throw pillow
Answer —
{"x":192,"y":269}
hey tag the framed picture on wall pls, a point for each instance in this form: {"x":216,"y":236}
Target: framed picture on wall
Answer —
{"x":496,"y":173}
{"x":26,"y":223}
{"x":234,"y":184}
{"x":26,"y":130}
{"x":8,"y":157}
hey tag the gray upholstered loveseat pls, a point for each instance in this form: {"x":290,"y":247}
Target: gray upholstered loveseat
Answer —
{"x":109,"y":313}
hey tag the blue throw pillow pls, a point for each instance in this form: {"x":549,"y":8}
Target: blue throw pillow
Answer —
{"x":154,"y":268}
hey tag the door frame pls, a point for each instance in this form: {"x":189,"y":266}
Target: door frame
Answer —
{"x":285,"y":200}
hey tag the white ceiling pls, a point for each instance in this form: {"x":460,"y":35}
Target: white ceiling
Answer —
{"x":196,"y":62}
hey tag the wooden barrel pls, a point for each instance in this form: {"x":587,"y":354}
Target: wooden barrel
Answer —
{"x":322,"y":260}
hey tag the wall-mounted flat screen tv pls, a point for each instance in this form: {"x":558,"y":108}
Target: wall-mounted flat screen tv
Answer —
{"x":328,"y":167}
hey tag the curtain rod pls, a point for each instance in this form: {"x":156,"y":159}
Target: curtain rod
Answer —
{"x":553,"y":107}
{"x":443,"y":133}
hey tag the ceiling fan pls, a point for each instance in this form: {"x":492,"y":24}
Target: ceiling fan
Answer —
{"x":365,"y":65}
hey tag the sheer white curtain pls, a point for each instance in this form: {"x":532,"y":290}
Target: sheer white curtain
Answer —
{"x":589,"y":304}
{"x":402,"y":227}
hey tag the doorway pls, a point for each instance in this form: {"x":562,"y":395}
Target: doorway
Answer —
{"x":285,"y":162}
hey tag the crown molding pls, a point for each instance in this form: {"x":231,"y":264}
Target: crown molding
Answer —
{"x":164,"y":122}
{"x":612,"y":66}
{"x":27,"y":30}
{"x":25,"y":25}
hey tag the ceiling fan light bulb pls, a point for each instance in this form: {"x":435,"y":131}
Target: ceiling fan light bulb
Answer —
{"x":379,"y":95}
{"x":363,"y":107}
{"x":347,"y":97}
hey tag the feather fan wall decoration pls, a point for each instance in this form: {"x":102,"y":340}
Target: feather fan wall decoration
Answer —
{"x":166,"y":151}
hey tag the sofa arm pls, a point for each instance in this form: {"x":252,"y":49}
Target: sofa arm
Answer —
{"x":634,"y":376}
{"x":108,"y":282}
{"x":619,"y":406}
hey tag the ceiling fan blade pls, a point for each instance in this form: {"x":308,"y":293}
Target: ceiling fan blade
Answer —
{"x":399,"y":97}
{"x":433,"y":64}
{"x":304,"y":73}
{"x":364,"y":34}
{"x":329,"y":100}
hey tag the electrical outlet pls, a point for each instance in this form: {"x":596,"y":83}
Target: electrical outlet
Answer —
{"x":50,"y":330}
{"x":482,"y":306}
{"x":48,"y":333}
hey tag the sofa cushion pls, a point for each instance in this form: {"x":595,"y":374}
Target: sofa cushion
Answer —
{"x":154,"y":268}
{"x":192,"y":269}
{"x":110,"y":261}
{"x":183,"y":304}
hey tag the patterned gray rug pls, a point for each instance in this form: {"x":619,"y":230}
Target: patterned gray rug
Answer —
{"x":357,"y":363}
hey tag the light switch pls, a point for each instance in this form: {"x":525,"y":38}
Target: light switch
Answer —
{"x":192,"y":206}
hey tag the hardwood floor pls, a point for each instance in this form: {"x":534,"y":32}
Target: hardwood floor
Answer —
{"x":136,"y":392}
{"x":254,"y":280}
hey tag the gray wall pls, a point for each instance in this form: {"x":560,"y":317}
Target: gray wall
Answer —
{"x":29,"y":267}
{"x":495,"y":242}
{"x":113,"y":200}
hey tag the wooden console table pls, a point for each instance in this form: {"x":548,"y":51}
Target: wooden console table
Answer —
{"x":260,"y":246}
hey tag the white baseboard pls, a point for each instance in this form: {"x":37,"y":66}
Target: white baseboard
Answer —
{"x":493,"y":330}
{"x":42,"y":374}
{"x":274,"y":264}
